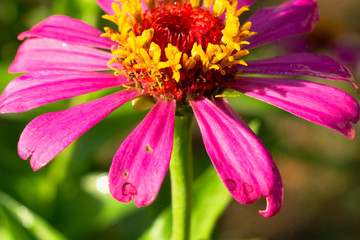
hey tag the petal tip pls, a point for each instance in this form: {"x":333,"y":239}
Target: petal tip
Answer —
{"x":22,"y":35}
{"x":273,"y":203}
{"x":35,"y":165}
{"x":124,"y":193}
{"x":350,"y":133}
{"x":12,"y":68}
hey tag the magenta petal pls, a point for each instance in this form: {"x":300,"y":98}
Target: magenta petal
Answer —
{"x":293,"y":17}
{"x":47,"y":135}
{"x":274,"y":201}
{"x":140,"y":164}
{"x":106,"y":5}
{"x":315,"y":102}
{"x":69,"y":30}
{"x":300,"y":64}
{"x":241,"y":160}
{"x":35,"y":89}
{"x":242,"y":3}
{"x":43,"y":54}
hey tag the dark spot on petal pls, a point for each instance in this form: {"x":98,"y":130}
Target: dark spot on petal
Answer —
{"x":126,"y":173}
{"x":148,"y":148}
{"x":247,"y":189}
{"x":128,"y":188}
{"x":230,"y":184}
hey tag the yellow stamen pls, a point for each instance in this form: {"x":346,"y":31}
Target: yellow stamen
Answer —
{"x":174,"y":56}
{"x":128,"y":87}
{"x":219,"y":7}
{"x":226,"y":95}
{"x":207,"y":4}
{"x":195,"y":3}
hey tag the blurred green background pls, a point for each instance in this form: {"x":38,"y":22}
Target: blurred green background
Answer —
{"x":68,"y":198}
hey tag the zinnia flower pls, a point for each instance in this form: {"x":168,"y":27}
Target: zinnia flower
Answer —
{"x":182,"y":55}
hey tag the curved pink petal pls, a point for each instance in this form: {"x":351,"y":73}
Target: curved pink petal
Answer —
{"x":241,"y":160}
{"x":35,"y":89}
{"x":47,"y":135}
{"x":300,"y":64}
{"x":315,"y":102}
{"x":293,"y":17}
{"x":43,"y":54}
{"x":69,"y":30}
{"x":275,"y":199}
{"x":106,"y":5}
{"x":140,"y":164}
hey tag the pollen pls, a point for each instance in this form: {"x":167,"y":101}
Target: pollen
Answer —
{"x":176,"y":49}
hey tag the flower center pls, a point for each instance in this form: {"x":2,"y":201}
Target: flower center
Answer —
{"x":181,"y":26}
{"x":177,"y":51}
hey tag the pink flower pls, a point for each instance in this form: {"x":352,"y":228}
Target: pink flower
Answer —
{"x":182,"y":55}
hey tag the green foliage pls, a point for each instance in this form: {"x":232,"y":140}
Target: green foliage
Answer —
{"x":22,"y":223}
{"x":210,"y":198}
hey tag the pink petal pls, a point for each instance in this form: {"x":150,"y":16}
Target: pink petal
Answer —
{"x":35,"y":89}
{"x":43,"y":54}
{"x":241,"y":160}
{"x":106,"y":5}
{"x":140,"y":164}
{"x":242,"y":3}
{"x":300,"y":64}
{"x":274,"y":201}
{"x":293,"y":17}
{"x":69,"y":30}
{"x":47,"y":135}
{"x":315,"y":102}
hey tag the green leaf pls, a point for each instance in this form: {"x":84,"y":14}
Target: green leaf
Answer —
{"x":255,"y":125}
{"x":161,"y":228}
{"x":21,"y":223}
{"x":96,"y":184}
{"x":13,"y":229}
{"x":210,"y":200}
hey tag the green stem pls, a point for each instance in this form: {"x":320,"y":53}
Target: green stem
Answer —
{"x":181,"y":178}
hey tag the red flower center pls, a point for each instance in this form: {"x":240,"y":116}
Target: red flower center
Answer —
{"x":182,"y":26}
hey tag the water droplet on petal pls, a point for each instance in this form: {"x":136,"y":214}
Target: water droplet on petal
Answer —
{"x":247,"y":189}
{"x":128,"y":188}
{"x":64,"y":44}
{"x":230,"y":184}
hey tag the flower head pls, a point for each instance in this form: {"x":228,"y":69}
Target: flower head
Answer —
{"x":177,"y":55}
{"x":177,"y":50}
